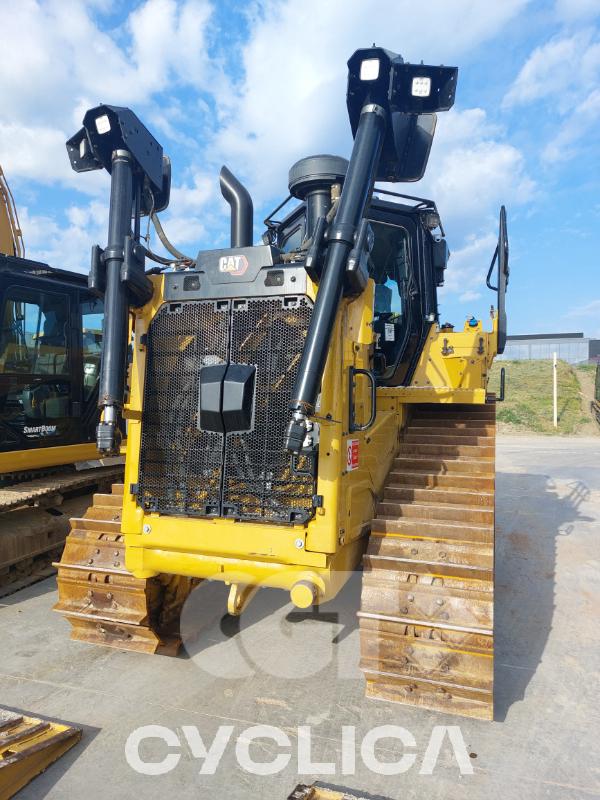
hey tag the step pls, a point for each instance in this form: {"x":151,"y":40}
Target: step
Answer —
{"x":435,"y":426}
{"x":455,"y":415}
{"x":117,"y":488}
{"x":455,"y":408}
{"x":398,"y":492}
{"x":481,"y":453}
{"x":488,"y":426}
{"x":443,"y":436}
{"x":426,"y":479}
{"x":433,"y":529}
{"x":412,"y":461}
{"x":436,"y":511}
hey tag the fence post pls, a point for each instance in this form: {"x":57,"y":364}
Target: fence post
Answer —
{"x":554,"y":387}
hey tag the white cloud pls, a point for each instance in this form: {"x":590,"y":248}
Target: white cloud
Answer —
{"x":585,"y":310}
{"x":573,"y":10}
{"x":564,"y":72}
{"x":66,"y":246}
{"x":472,"y":171}
{"x":565,"y":144}
{"x":291,"y":102}
{"x":469,"y":296}
{"x":38,"y":154}
{"x":467,"y":268}
{"x":588,"y":316}
{"x":565,"y":68}
{"x":57,"y":62}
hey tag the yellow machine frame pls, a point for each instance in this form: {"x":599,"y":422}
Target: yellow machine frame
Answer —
{"x":314,"y":560}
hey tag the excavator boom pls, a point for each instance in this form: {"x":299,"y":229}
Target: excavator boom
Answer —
{"x":11,"y":238}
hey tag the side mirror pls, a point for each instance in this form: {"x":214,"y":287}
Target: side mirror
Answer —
{"x":439,"y":257}
{"x":153,"y":202}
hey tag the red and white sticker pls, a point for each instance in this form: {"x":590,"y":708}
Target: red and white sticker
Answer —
{"x":351,"y":454}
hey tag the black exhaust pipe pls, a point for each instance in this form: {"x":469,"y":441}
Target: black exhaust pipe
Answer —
{"x":242,"y":211}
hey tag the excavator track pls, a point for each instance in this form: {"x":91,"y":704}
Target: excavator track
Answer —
{"x":426,"y":618}
{"x":105,"y":603}
{"x":34,"y":517}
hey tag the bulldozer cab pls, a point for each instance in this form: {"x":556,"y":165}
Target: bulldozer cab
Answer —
{"x":50,"y":351}
{"x":407,"y":261}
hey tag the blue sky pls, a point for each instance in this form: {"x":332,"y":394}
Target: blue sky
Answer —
{"x":258,"y":85}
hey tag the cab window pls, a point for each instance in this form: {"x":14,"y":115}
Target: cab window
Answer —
{"x":35,"y":330}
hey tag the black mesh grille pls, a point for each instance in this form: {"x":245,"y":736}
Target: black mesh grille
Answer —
{"x":190,"y":472}
{"x":258,"y":481}
{"x":180,"y":466}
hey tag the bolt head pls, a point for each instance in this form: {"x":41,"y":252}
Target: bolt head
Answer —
{"x":147,"y":528}
{"x":299,"y":544}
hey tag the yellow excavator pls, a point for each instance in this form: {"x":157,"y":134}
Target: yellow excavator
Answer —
{"x":50,"y":347}
{"x":295,"y":409}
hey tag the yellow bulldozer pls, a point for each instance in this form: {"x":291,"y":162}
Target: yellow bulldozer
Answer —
{"x":50,"y":346}
{"x":295,"y":409}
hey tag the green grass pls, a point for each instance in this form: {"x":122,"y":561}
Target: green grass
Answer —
{"x":528,"y":399}
{"x":587,"y":368}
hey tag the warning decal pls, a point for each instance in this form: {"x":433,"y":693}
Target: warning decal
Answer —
{"x":352,"y":454}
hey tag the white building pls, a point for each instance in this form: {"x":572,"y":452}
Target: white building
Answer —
{"x":571,"y":347}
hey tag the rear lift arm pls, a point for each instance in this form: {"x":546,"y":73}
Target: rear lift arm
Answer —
{"x":392,"y":109}
{"x":113,"y":138}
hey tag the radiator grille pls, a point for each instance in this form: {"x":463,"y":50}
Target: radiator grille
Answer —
{"x":190,"y":472}
{"x":180,"y":466}
{"x":258,"y":482}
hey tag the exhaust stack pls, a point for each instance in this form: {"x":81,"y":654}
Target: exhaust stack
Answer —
{"x":242,"y":210}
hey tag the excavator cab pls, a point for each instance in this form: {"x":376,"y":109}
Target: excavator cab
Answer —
{"x":50,"y":352}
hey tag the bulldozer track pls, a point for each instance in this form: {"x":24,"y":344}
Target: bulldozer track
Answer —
{"x":426,"y":618}
{"x":105,"y":603}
